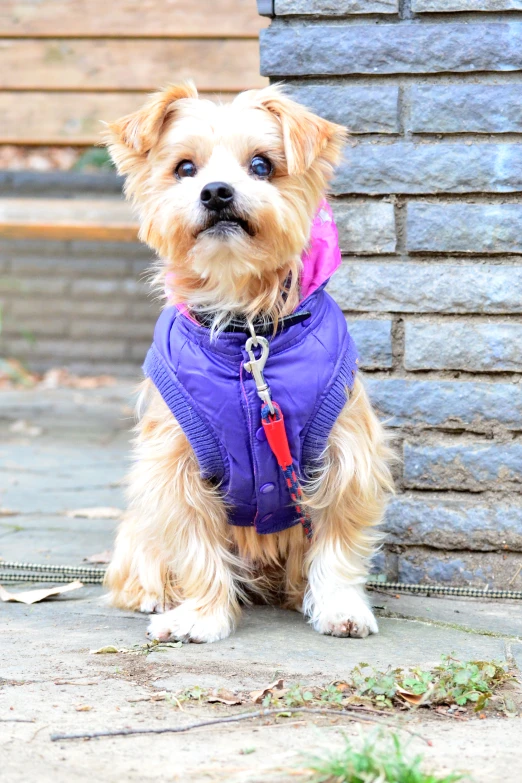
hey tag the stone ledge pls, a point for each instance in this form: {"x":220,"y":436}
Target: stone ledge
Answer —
{"x":334,"y":7}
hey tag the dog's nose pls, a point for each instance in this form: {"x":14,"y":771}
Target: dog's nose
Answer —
{"x":217,"y":196}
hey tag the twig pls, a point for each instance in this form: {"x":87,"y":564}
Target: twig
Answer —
{"x":231,"y":719}
{"x":16,"y":720}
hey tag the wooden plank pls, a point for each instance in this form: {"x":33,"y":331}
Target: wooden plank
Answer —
{"x":64,"y":117}
{"x":67,"y":219}
{"x":130,"y":18}
{"x":52,"y":64}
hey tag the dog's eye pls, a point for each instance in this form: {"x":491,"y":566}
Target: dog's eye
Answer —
{"x":260,"y":167}
{"x":185,"y":169}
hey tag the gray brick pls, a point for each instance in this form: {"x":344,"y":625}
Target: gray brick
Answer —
{"x":58,"y":350}
{"x":144,"y":308}
{"x":460,"y":108}
{"x":455,"y":463}
{"x":15,"y":326}
{"x":404,"y":167}
{"x":362,"y":109}
{"x":37,"y":285}
{"x":107,"y":288}
{"x":124,"y":328}
{"x":69,"y":266}
{"x":464,"y":228}
{"x":366,"y":228}
{"x":374,"y":343}
{"x":427,"y":288}
{"x":455,"y":523}
{"x":138,"y":350}
{"x":479,"y":569}
{"x":461,"y":345}
{"x":441,"y":6}
{"x":323,"y":49}
{"x":26,"y":306}
{"x":474,"y":405}
{"x":334,"y":7}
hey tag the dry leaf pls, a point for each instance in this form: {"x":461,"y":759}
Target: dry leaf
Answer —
{"x":82,"y":708}
{"x":34,"y":596}
{"x":8,"y":512}
{"x":104,"y":650}
{"x":101,"y":557}
{"x":97,"y":512}
{"x":258,"y":696}
{"x":415,"y":699}
{"x":223,"y":696}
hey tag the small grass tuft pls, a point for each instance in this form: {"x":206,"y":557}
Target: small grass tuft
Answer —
{"x":376,"y":758}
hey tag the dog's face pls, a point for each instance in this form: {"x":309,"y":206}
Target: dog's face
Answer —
{"x":226,"y":193}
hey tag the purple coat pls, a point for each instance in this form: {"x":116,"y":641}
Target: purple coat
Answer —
{"x":309,"y":369}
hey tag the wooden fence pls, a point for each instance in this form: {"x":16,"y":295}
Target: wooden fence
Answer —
{"x":65,"y":65}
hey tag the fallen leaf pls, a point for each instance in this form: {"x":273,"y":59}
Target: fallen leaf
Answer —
{"x":223,"y":696}
{"x":8,"y":512}
{"x":258,"y":696}
{"x":34,"y":596}
{"x":104,"y":650}
{"x":101,"y":557}
{"x":83,"y":708}
{"x":415,"y":699}
{"x":97,"y":512}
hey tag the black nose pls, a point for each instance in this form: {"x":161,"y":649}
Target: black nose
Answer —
{"x":217,"y":195}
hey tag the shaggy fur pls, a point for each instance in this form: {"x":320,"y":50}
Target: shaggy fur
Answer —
{"x":176,"y":554}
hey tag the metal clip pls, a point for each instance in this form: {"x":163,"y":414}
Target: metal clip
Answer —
{"x":256,"y":365}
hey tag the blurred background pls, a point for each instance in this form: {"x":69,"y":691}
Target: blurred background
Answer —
{"x":72,"y":292}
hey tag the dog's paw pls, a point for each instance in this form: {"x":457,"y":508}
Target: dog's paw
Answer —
{"x":344,"y":613}
{"x":185,"y":624}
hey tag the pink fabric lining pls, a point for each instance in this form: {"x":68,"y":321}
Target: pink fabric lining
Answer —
{"x":320,"y":260}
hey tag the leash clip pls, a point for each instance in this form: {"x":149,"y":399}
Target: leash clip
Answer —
{"x":256,"y":365}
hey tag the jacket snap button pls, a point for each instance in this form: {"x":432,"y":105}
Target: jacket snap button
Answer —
{"x":266,"y":488}
{"x":260,"y":434}
{"x":266,"y":518}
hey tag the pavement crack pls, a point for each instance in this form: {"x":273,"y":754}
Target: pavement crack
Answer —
{"x":453,"y":626}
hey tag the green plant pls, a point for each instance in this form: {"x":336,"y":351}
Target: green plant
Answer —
{"x":451,"y":682}
{"x":375,"y":759}
{"x":374,"y":685}
{"x":460,"y":682}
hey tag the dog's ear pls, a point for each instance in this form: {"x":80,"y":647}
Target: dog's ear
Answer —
{"x":140,"y":131}
{"x":306,"y":136}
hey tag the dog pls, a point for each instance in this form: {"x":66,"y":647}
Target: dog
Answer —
{"x":228,"y":197}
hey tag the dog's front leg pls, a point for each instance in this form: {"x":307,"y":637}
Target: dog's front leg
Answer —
{"x":172,"y":548}
{"x":346,"y":500}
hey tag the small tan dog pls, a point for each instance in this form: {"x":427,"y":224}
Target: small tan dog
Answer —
{"x":227,"y":195}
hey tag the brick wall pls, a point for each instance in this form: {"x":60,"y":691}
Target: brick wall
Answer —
{"x":428,"y":201}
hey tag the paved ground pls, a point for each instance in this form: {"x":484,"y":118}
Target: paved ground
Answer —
{"x":70,"y":453}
